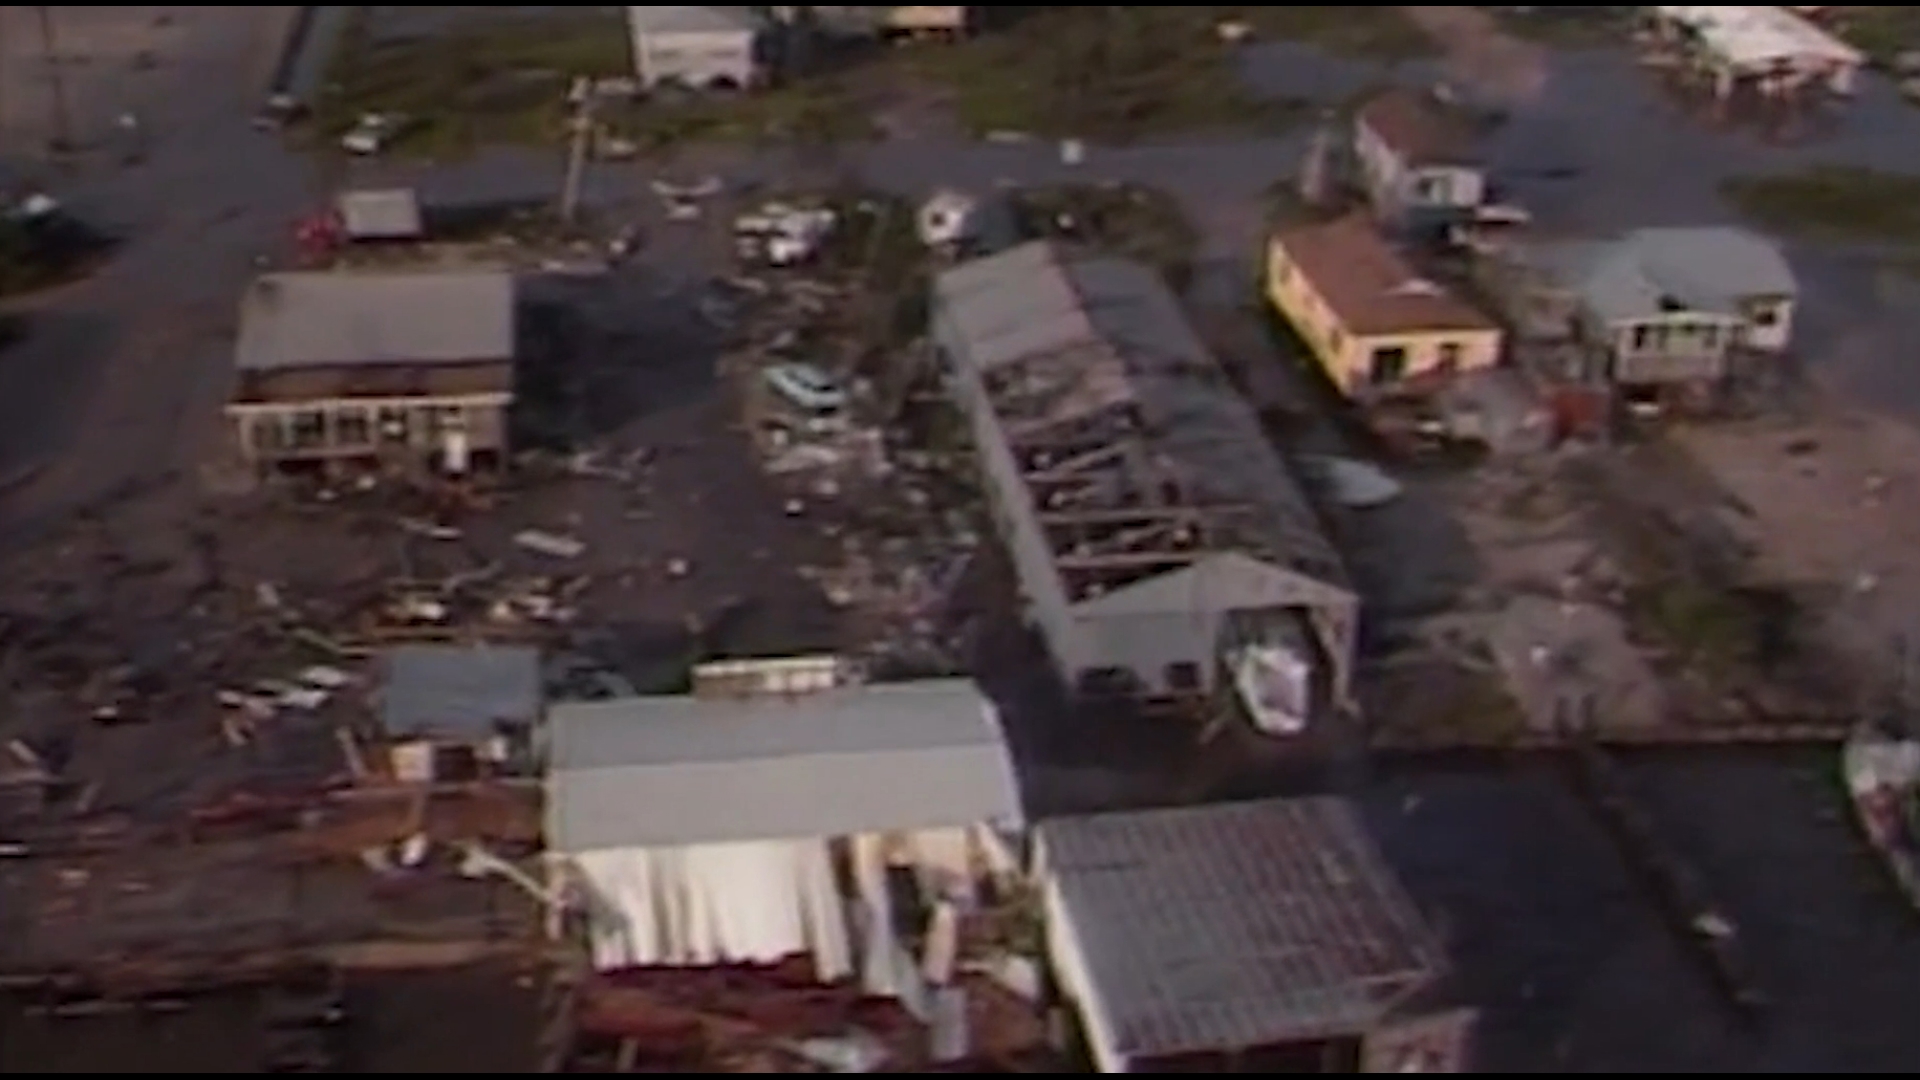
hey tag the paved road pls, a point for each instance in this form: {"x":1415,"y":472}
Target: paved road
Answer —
{"x":109,"y":387}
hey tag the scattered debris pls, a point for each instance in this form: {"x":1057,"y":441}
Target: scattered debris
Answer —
{"x":546,"y":543}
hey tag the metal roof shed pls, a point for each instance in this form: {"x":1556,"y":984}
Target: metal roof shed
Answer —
{"x":387,"y":214}
{"x":677,"y":771}
{"x":458,"y":691}
{"x":1216,"y":929}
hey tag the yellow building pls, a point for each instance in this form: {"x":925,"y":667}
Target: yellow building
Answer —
{"x":1371,"y":320}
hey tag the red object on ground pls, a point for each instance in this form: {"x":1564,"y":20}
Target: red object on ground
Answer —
{"x":319,"y":235}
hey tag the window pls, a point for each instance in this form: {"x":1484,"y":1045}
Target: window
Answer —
{"x":1430,"y":189}
{"x":1766,"y":315}
{"x":1642,"y":337}
{"x":395,"y":427}
{"x":1388,"y":364}
{"x":309,"y":429}
{"x":1449,"y":357}
{"x":351,"y":427}
{"x":267,"y":434}
{"x":1183,"y":676}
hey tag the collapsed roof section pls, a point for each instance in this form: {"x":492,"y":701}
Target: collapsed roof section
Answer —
{"x":1138,"y":456}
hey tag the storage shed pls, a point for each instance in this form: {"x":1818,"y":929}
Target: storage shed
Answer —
{"x":1163,"y":546}
{"x":701,"y":831}
{"x":702,"y":48}
{"x":449,"y":711}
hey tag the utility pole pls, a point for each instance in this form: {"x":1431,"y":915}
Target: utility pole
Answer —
{"x":582,"y":124}
{"x":62,"y":140}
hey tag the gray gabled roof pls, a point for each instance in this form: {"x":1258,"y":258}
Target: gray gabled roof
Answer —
{"x":674,"y":771}
{"x":328,"y":318}
{"x":386,"y":214}
{"x":1707,"y":269}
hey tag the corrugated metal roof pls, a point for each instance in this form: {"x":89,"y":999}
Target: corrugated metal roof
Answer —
{"x":320,"y":319}
{"x":671,"y":771}
{"x":1034,"y":301}
{"x":1703,"y":268}
{"x":457,"y":690}
{"x":1235,"y":925}
{"x":693,"y":20}
{"x":392,"y":214}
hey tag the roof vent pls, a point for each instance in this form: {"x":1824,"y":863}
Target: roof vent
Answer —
{"x":1416,"y":287}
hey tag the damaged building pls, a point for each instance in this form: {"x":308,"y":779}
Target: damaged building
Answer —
{"x":1264,"y":936}
{"x":404,"y":369}
{"x":1650,"y":311}
{"x":1164,"y":549}
{"x":833,"y":825}
{"x":450,"y":713}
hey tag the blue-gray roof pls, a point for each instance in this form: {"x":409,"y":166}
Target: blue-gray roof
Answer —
{"x":1709,"y":268}
{"x":458,"y":690}
{"x":675,"y":771}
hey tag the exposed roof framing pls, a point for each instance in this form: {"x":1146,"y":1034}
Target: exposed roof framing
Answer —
{"x":1139,"y":457}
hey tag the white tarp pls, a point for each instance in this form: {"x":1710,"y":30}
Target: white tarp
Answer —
{"x":716,"y":903}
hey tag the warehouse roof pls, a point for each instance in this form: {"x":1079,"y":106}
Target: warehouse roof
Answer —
{"x":327,"y":319}
{"x":1037,"y":302}
{"x":673,"y":771}
{"x":1233,"y":926}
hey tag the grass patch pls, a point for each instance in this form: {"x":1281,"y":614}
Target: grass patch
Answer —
{"x":1139,"y":223}
{"x":492,"y":79}
{"x":40,"y":253}
{"x":1712,"y":628}
{"x":1363,"y":33}
{"x":1569,"y":28}
{"x":816,"y":111}
{"x":1835,"y":202}
{"x":1883,"y":33}
{"x":1112,"y":74}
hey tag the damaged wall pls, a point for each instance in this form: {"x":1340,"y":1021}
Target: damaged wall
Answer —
{"x":757,"y":901}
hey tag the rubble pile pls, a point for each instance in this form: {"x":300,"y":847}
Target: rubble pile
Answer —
{"x":836,"y":410}
{"x":777,"y":1018}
